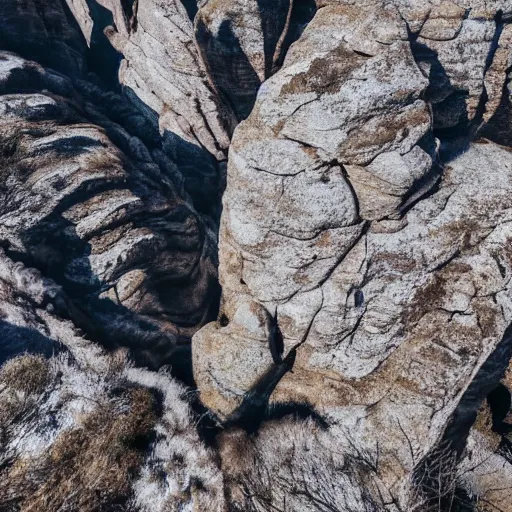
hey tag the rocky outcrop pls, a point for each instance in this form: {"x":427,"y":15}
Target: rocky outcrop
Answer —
{"x":148,"y":50}
{"x":355,"y":219}
{"x":161,"y":66}
{"x":100,"y":207}
{"x":365,"y":313}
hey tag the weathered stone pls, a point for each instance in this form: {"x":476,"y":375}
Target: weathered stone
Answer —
{"x":391,"y":301}
{"x":243,"y":43}
{"x":106,"y":222}
{"x":446,"y":34}
{"x":363,"y":246}
{"x":162,"y":67}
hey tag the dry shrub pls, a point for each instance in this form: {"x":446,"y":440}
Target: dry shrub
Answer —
{"x":103,"y":160}
{"x":437,"y":484}
{"x":89,"y":468}
{"x":293,"y":467}
{"x":27,"y":374}
{"x":12,"y":156}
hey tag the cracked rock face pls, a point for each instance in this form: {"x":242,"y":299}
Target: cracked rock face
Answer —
{"x":365,"y":214}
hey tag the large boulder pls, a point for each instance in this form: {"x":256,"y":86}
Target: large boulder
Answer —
{"x":382,"y":265}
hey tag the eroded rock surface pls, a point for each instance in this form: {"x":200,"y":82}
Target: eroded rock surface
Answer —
{"x":364,"y":330}
{"x":100,"y":208}
{"x":364,"y":213}
{"x":243,"y":43}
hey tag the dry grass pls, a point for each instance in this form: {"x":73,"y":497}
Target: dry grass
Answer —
{"x":294,"y":466}
{"x":22,"y":381}
{"x":90,"y":467}
{"x":12,"y":155}
{"x":27,"y":374}
{"x":15,"y":168}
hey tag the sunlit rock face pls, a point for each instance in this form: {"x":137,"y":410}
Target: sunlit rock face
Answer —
{"x":365,"y":212}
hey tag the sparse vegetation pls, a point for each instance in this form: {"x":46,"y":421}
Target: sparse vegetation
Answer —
{"x":28,"y":374}
{"x":15,"y":168}
{"x":104,"y":437}
{"x":97,"y":458}
{"x":294,"y":466}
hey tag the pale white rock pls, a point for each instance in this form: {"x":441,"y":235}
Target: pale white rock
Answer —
{"x":163,"y":68}
{"x":396,"y":314}
{"x":290,"y":220}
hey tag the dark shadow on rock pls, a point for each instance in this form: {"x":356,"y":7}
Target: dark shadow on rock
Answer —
{"x":273,"y":15}
{"x":505,"y":449}
{"x":29,"y":79}
{"x":59,"y":253}
{"x":484,"y":382}
{"x":498,"y":128}
{"x":428,"y":184}
{"x":201,"y":176}
{"x":191,"y":8}
{"x":303,"y":11}
{"x":48,"y":35}
{"x":500,"y":401}
{"x":275,"y":341}
{"x":16,"y":341}
{"x":72,"y":146}
{"x":450,"y":116}
{"x":295,"y":410}
{"x":451,"y":122}
{"x":235,"y":79}
{"x":102,"y":58}
{"x":254,"y":407}
{"x":128,"y":8}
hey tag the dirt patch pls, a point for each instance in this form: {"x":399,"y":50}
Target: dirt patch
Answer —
{"x":426,"y":298}
{"x":325,"y":75}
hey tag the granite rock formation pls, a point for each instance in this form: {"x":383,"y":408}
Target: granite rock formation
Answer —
{"x":299,"y":209}
{"x":367,"y":215}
